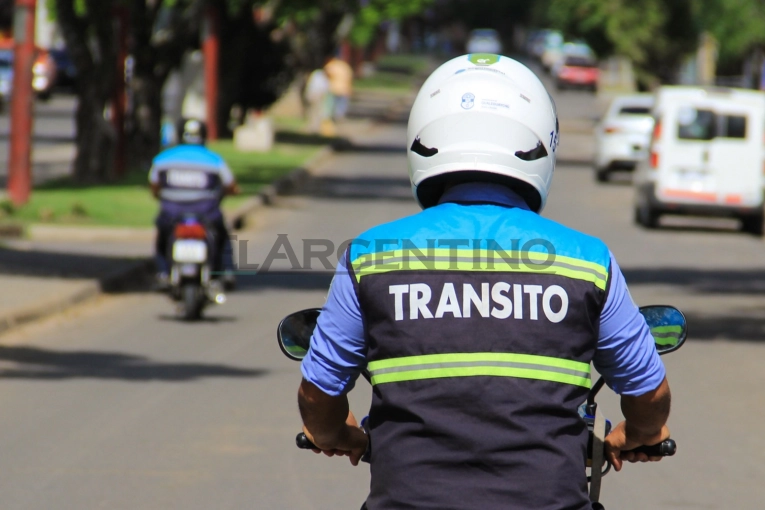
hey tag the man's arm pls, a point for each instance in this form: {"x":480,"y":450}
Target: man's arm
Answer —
{"x":329,"y":424}
{"x":232,"y":189}
{"x":626,"y":357}
{"x":154,"y":181}
{"x":645,"y":424}
{"x":230,"y":186}
{"x":333,"y":363}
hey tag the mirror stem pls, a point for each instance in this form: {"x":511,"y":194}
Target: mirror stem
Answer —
{"x":594,"y":391}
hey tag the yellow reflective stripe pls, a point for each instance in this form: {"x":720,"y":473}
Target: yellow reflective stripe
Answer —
{"x":666,"y":335}
{"x":479,"y":261}
{"x":525,"y":366}
{"x":520,"y":373}
{"x":667,"y":329}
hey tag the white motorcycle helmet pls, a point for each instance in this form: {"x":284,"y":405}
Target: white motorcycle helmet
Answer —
{"x":482,"y":117}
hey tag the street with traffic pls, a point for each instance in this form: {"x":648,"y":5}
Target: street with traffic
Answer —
{"x":117,"y":404}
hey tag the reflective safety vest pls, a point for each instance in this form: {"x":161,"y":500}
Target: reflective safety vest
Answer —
{"x":481,"y":324}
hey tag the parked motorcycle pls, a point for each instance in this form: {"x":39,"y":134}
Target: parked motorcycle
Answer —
{"x":192,"y":285}
{"x":668,"y":327}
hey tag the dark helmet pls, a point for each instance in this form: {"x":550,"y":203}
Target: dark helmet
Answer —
{"x":192,"y":132}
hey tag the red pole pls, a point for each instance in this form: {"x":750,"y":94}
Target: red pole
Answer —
{"x":20,"y":159}
{"x":210,"y":48}
{"x":118,"y":101}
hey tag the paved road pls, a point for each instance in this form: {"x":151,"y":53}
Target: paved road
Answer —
{"x":118,"y":405}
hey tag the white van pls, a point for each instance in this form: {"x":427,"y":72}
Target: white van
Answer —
{"x":705,"y":158}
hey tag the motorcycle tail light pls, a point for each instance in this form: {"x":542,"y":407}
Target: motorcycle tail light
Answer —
{"x":192,"y":231}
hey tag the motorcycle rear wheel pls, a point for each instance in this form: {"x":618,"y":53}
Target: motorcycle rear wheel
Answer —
{"x":192,"y":302}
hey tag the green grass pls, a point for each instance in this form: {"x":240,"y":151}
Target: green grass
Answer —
{"x":128,"y":203}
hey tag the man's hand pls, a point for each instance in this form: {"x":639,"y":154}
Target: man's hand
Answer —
{"x":351,"y":442}
{"x":622,"y":439}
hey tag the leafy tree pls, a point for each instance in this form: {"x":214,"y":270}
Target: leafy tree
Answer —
{"x":376,"y":12}
{"x":258,"y":60}
{"x":655,"y":34}
{"x":738,"y":26}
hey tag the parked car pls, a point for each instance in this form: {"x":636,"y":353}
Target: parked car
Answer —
{"x":705,"y":157}
{"x":484,"y":40}
{"x":577,"y":72}
{"x":43,"y":71}
{"x":623,"y":135}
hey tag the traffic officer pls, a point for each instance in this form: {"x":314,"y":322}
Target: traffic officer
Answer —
{"x":191,"y":179}
{"x":478,"y":319}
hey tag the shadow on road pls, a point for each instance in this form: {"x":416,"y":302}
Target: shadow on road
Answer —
{"x":72,"y":266}
{"x":338,"y":143}
{"x":219,"y":319}
{"x":38,"y":363}
{"x":355,"y":188}
{"x":705,"y":327}
{"x":704,"y":281}
{"x":369,"y":148}
{"x":293,"y":280}
{"x":579,"y":164}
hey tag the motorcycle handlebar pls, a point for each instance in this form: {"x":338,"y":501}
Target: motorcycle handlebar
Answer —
{"x":304,"y":443}
{"x":664,"y":449}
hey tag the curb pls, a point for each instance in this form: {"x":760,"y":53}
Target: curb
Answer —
{"x":120,"y":280}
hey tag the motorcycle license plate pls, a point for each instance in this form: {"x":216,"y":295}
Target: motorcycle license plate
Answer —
{"x":188,"y":251}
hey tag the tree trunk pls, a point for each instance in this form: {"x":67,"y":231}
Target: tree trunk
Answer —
{"x":96,"y":136}
{"x":90,"y":40}
{"x":147,"y":119}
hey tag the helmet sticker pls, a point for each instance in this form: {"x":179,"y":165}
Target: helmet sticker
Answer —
{"x":484,"y":59}
{"x":425,"y":152}
{"x":468,"y":101}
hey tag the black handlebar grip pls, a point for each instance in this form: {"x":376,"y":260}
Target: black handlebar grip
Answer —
{"x":664,"y":449}
{"x":304,"y":443}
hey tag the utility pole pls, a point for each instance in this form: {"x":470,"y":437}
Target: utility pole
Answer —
{"x":211,"y":49}
{"x":20,"y":159}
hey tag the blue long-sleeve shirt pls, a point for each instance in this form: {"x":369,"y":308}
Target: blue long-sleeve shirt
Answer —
{"x":625,"y":354}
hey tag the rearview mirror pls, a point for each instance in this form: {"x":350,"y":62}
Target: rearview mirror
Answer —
{"x":667,"y":325}
{"x":294,"y":333}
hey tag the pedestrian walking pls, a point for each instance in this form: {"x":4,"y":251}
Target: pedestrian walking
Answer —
{"x":340,"y":76}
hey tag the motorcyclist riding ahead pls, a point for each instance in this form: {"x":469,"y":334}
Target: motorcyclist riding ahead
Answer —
{"x":191,"y":179}
{"x":478,"y":319}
